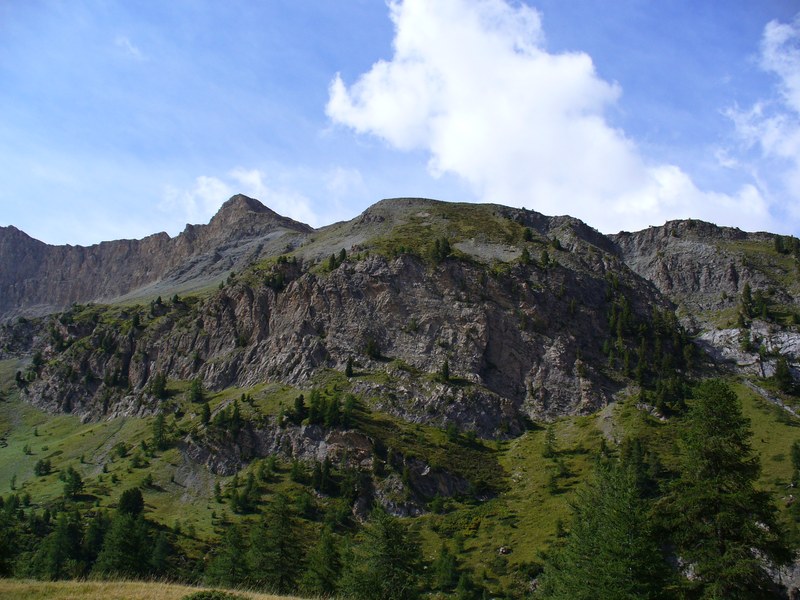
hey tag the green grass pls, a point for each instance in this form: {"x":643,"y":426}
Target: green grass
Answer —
{"x":457,"y":222}
{"x":780,"y":268}
{"x":521,"y":512}
{"x":774,"y":431}
{"x":12,"y":589}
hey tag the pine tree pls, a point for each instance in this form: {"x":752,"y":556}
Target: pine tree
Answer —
{"x":196,"y":393}
{"x":73,"y":484}
{"x":444,"y":373}
{"x":131,"y":502}
{"x":323,"y":567}
{"x":275,"y":556}
{"x":160,"y":441}
{"x":126,"y":549}
{"x":549,"y":450}
{"x":58,"y":554}
{"x":228,"y":567}
{"x":158,"y":386}
{"x":347,"y":410}
{"x":385,"y":564}
{"x":160,"y":554}
{"x":610,"y":552}
{"x":444,"y":570}
{"x":783,"y":376}
{"x":747,"y":300}
{"x":721,"y":525}
{"x":795,"y":461}
{"x":348,"y":368}
{"x":236,"y":419}
{"x":93,"y":536}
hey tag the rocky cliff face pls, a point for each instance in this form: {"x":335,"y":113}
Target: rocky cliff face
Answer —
{"x":533,"y":316}
{"x":38,"y":279}
{"x":704,"y":269}
{"x":515,"y":349}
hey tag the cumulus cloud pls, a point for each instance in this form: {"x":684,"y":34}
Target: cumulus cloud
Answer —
{"x":198,"y":203}
{"x":286,"y":202}
{"x":472,"y":84}
{"x":772,"y":125}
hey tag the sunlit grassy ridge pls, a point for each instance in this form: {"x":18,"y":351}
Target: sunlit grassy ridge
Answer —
{"x":11,"y":589}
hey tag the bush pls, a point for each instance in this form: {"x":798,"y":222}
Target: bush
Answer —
{"x":213,"y":595}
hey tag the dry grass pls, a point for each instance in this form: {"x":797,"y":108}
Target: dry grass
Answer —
{"x":13,"y":589}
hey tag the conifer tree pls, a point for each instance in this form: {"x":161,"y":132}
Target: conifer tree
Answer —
{"x":549,"y":450}
{"x":385,"y":564}
{"x":93,"y":536}
{"x":795,"y":461}
{"x":610,"y":552}
{"x":159,"y":432}
{"x":228,"y":567}
{"x":444,"y":570}
{"x":348,"y":369}
{"x":783,"y":376}
{"x":196,"y":393}
{"x":160,"y":554}
{"x":73,"y":483}
{"x":131,"y":502}
{"x":722,"y":526}
{"x":126,"y":549}
{"x":323,"y":567}
{"x":275,"y":556}
{"x":59,"y":552}
{"x":158,"y":386}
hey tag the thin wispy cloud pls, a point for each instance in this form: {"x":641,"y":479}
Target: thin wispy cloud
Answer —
{"x":771,"y":126}
{"x":128,"y":48}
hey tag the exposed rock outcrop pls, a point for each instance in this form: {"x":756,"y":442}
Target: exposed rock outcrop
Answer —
{"x":38,"y":279}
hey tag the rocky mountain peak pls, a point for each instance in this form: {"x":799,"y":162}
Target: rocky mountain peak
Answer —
{"x":244,"y":215}
{"x":241,"y":206}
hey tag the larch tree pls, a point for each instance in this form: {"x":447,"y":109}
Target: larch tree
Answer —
{"x":725,"y":530}
{"x":611,"y":552}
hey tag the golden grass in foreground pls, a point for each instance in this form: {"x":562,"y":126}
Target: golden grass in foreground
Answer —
{"x":14,"y":589}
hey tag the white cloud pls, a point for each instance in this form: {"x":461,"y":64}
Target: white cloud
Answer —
{"x":342,"y":183}
{"x":472,"y":84}
{"x":128,"y":48}
{"x":202,"y":200}
{"x":772,"y":125}
{"x":286,"y":202}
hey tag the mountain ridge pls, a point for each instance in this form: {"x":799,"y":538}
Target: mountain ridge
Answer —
{"x":426,"y":354}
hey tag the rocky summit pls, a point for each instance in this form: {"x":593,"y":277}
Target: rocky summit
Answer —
{"x":421,"y":352}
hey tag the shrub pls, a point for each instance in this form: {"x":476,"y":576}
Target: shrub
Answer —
{"x":213,"y":595}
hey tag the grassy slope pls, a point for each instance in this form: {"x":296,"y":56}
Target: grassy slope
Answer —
{"x":523,"y":518}
{"x":12,"y":589}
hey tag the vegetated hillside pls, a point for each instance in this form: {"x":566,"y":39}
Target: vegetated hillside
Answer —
{"x":737,"y":292}
{"x":461,"y":364}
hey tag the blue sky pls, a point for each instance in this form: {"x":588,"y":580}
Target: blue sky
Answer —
{"x":122,"y":119}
